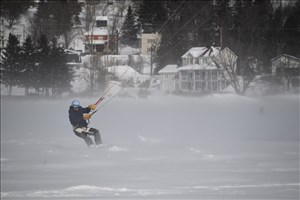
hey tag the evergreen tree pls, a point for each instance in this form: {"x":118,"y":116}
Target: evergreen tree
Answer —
{"x":264,"y":12}
{"x":44,"y":66}
{"x":53,"y":74}
{"x":61,"y":75}
{"x":186,"y":27}
{"x":221,"y":23}
{"x":10,"y":65}
{"x":28,"y":61}
{"x":129,"y":30}
{"x":55,"y":18}
{"x":169,"y":50}
{"x":12,"y":10}
{"x":292,"y":31}
{"x":152,"y":15}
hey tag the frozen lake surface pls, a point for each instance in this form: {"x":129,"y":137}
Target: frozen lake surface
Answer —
{"x":163,"y":147}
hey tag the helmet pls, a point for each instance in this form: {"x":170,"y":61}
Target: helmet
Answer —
{"x":75,"y":103}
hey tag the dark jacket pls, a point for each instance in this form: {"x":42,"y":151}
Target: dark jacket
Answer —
{"x":76,"y":117}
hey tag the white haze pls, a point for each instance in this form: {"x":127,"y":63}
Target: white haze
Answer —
{"x":163,"y":147}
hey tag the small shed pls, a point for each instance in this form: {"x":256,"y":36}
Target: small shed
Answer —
{"x":168,"y":78}
{"x":287,"y":67}
{"x":284,"y":61}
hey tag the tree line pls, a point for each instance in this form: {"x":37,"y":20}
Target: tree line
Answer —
{"x":39,"y":63}
{"x":41,"y":69}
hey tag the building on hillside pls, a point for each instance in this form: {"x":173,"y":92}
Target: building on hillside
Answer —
{"x":199,"y":71}
{"x":287,"y":67}
{"x":101,"y":21}
{"x":96,"y":40}
{"x":168,"y":78}
{"x":284,"y":61}
{"x":149,"y":43}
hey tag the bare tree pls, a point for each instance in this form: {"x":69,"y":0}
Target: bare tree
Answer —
{"x":93,"y":69}
{"x":69,"y":36}
{"x":226,"y":60}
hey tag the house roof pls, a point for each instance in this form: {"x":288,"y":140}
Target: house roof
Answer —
{"x":102,"y":18}
{"x":196,"y":52}
{"x":210,"y":66}
{"x":229,"y":50}
{"x":169,"y":69}
{"x":285,"y":55}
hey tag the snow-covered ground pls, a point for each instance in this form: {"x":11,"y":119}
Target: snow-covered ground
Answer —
{"x":163,"y":147}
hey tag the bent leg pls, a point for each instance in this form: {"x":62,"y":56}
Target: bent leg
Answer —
{"x":96,"y":133}
{"x":84,"y":135}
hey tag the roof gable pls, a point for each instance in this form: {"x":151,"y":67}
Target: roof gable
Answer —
{"x":197,"y":52}
{"x":169,"y":69}
{"x":286,"y":55}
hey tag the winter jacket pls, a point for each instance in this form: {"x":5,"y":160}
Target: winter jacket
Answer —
{"x":76,"y":117}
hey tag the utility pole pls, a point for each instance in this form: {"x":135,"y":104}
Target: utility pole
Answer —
{"x":221,"y":37}
{"x":151,"y":59}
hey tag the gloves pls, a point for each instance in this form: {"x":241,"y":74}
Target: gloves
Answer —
{"x":92,"y":107}
{"x":86,"y":116}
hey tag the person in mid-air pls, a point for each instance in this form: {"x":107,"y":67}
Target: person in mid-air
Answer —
{"x":78,"y":117}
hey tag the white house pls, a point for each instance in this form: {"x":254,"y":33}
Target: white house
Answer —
{"x":168,"y":78}
{"x":199,"y":72}
{"x":284,"y":61}
{"x":288,"y":67}
{"x":96,"y":39}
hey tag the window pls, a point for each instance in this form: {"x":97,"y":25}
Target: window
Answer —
{"x":150,"y":41}
{"x":214,"y":75}
{"x":184,"y":85}
{"x":190,"y":85}
{"x":203,"y":85}
{"x":203,"y":75}
{"x":214,"y":86}
{"x":191,"y":75}
{"x":184,"y":75}
{"x":208,"y":75}
{"x":198,"y":85}
{"x":197,"y":75}
{"x":209,"y":86}
{"x":101,"y":23}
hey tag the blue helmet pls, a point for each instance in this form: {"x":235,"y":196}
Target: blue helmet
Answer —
{"x":75,"y":103}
